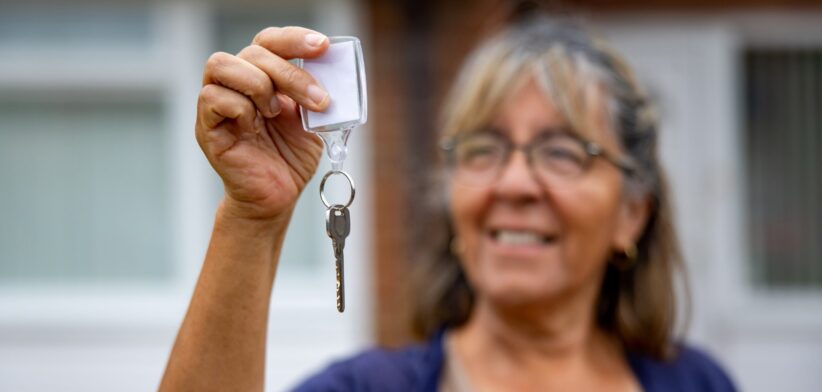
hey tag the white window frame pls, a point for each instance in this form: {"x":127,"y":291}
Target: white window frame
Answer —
{"x":760,"y":308}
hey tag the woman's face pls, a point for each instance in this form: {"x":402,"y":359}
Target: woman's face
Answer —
{"x":523,"y":241}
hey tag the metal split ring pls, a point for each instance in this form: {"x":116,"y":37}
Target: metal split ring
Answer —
{"x":350,"y":184}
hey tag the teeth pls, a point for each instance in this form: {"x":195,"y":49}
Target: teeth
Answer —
{"x":519,"y":237}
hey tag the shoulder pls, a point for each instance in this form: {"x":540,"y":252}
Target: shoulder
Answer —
{"x":410,"y":368}
{"x":690,"y":370}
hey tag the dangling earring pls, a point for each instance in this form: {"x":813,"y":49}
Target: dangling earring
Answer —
{"x":457,"y":248}
{"x":627,"y":259}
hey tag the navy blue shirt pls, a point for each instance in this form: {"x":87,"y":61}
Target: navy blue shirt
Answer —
{"x":418,"y":368}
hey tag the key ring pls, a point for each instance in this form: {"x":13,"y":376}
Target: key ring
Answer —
{"x":350,"y":184}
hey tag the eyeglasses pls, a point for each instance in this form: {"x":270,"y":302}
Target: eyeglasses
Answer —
{"x":478,"y":158}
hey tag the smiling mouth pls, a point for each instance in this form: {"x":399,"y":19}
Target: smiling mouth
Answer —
{"x":521,"y":237}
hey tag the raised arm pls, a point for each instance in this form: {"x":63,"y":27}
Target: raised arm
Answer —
{"x":248,"y":127}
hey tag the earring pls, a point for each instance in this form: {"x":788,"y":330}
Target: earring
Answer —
{"x":627,"y":259}
{"x":456,"y":246}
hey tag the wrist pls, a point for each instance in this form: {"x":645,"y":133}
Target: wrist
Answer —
{"x":243,"y":219}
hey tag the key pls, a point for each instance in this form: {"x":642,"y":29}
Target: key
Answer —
{"x":337,"y":226}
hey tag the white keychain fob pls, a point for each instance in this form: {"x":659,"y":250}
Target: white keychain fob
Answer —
{"x":341,"y":72}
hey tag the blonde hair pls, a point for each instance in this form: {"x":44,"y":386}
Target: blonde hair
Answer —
{"x":582,"y":76}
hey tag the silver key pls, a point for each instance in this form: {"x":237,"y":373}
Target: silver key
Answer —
{"x":337,"y":226}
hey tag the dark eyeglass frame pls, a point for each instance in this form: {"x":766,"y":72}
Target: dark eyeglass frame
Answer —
{"x":593,"y":150}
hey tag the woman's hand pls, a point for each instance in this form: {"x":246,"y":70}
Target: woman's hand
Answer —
{"x":249,"y":127}
{"x":248,"y":123}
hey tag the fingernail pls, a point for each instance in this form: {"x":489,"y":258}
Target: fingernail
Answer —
{"x":317,"y":94}
{"x":275,"y":106}
{"x":314,"y":39}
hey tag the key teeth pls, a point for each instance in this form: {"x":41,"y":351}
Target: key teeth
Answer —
{"x":340,"y":294}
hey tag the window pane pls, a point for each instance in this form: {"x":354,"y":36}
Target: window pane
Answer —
{"x":236,"y":28}
{"x":84,"y":192}
{"x":64,"y":27}
{"x":785,"y":170}
{"x":306,"y":246}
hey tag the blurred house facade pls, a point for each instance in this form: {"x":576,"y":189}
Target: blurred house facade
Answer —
{"x":107,"y":202}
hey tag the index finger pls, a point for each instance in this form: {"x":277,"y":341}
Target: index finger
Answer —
{"x":292,"y":42}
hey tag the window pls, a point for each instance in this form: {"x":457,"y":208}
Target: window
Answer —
{"x":84,"y":153}
{"x":85,"y":193}
{"x":784,"y":159}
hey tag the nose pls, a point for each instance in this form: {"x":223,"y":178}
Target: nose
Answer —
{"x":516,"y":180}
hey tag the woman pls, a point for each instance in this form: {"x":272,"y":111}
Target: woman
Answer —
{"x":556,"y":268}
